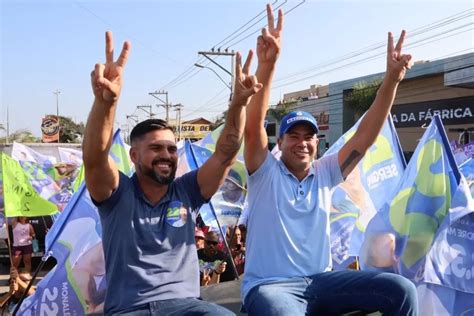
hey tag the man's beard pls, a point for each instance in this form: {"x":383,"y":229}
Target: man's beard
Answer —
{"x":160,"y":179}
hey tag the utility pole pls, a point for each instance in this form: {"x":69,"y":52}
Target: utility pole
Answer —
{"x":178,"y":108}
{"x":132,"y":117}
{"x":57,"y":92}
{"x":146,"y":107}
{"x":224,"y":53}
{"x":165,"y":104}
{"x":8,"y":126}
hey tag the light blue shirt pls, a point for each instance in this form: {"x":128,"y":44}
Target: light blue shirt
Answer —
{"x":288,"y":223}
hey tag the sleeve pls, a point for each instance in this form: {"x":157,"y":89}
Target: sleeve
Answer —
{"x":188,"y":186}
{"x":328,"y":169}
{"x":265,"y":167}
{"x":107,"y":205}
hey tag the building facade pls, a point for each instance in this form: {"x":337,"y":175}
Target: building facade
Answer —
{"x":444,"y":87}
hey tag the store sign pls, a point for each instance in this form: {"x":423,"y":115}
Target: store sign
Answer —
{"x":50,"y":129}
{"x":323,"y":120}
{"x":196,"y":131}
{"x":452,"y":112}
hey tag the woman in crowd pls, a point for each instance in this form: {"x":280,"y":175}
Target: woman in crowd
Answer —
{"x":23,"y":235}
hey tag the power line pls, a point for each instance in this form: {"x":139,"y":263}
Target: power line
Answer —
{"x":383,"y":44}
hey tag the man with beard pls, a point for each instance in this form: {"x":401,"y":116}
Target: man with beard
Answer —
{"x":148,"y":220}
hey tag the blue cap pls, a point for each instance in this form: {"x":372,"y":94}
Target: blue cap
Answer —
{"x":297,"y":117}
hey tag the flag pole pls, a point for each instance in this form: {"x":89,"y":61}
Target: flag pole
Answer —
{"x":229,"y":252}
{"x":25,"y":292}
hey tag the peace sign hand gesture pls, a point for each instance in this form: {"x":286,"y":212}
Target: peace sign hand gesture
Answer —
{"x":269,"y":43}
{"x":245,"y":85}
{"x":107,"y":79}
{"x":397,"y":63}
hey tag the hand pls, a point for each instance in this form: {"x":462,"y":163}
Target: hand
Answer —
{"x":206,"y":278}
{"x":397,"y":63}
{"x":221,"y":268}
{"x":245,"y":85}
{"x":269,"y":43}
{"x":106,"y":79}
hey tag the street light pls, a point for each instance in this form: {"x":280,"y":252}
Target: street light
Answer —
{"x":57,"y":92}
{"x":223,"y":81}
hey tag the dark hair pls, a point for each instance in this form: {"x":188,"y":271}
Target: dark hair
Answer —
{"x":147,"y":126}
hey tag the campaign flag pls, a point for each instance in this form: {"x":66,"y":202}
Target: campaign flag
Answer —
{"x":467,"y":169}
{"x":227,"y":204}
{"x":437,"y":300}
{"x":450,"y":261}
{"x":22,"y":152}
{"x":2,"y":204}
{"x":355,"y":201}
{"x":70,"y":155}
{"x":119,"y":151}
{"x":52,"y":180}
{"x":20,"y":198}
{"x":431,"y":197}
{"x":38,"y":168}
{"x":77,"y":284}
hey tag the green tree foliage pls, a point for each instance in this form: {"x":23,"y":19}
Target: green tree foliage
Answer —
{"x":280,"y":110}
{"x":20,"y":136}
{"x":70,"y":131}
{"x":362,"y":96}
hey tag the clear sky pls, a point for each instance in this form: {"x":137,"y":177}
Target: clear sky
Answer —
{"x":49,"y":45}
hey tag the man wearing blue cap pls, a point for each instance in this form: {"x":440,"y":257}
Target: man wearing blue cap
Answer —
{"x":288,"y":258}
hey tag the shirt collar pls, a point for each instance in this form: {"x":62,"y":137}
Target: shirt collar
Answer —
{"x":311,"y":172}
{"x":141,"y":195}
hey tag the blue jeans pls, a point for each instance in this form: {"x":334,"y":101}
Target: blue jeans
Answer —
{"x":180,"y":306}
{"x":335,"y":293}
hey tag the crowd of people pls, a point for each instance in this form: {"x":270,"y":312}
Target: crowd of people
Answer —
{"x":216,"y":263}
{"x":149,"y":220}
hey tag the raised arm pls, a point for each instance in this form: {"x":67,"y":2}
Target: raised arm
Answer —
{"x":268,"y":50}
{"x":397,"y":64}
{"x":101,"y":173}
{"x":213,"y":172}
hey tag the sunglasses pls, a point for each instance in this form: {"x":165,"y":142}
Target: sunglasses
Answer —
{"x":211,"y":242}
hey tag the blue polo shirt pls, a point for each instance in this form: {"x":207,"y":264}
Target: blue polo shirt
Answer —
{"x":288,"y":221}
{"x":150,"y":253}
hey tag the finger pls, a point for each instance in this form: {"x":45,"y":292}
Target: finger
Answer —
{"x":268,"y":38}
{"x":270,"y":18}
{"x":390,"y":44}
{"x":109,"y":47}
{"x":248,"y":62}
{"x":280,"y":21}
{"x":238,"y":66}
{"x":122,"y":60}
{"x":93,"y":78}
{"x":99,"y":72}
{"x":257,"y":88}
{"x":407,"y":61}
{"x":260,"y":42}
{"x":399,"y":46}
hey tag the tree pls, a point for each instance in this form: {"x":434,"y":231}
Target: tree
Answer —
{"x":70,"y":132}
{"x":21,"y":136}
{"x":281,"y":109}
{"x":219,"y":120}
{"x":362,"y":96}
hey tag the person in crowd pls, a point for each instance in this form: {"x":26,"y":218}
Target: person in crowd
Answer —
{"x":237,"y":247}
{"x":288,"y":258}
{"x":212,"y":262}
{"x":18,"y":283}
{"x":23,"y":235}
{"x":148,"y":220}
{"x":199,"y":238}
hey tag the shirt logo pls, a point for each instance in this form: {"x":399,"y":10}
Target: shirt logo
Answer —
{"x":176,"y":214}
